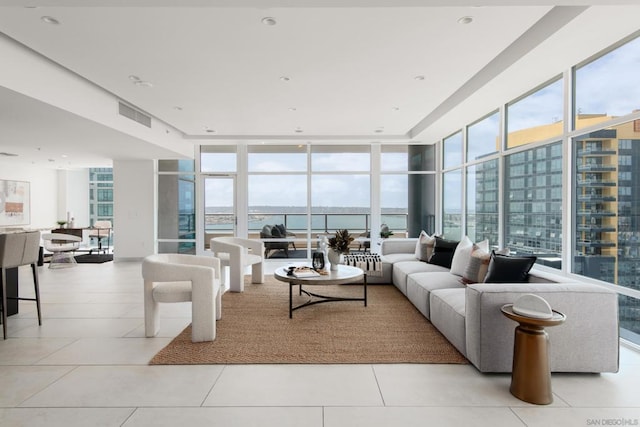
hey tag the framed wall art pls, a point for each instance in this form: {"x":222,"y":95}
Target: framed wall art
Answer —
{"x":15,"y":203}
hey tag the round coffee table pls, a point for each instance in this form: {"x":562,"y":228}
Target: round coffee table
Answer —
{"x":343,"y":275}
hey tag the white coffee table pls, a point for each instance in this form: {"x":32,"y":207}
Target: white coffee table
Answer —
{"x":345,"y":274}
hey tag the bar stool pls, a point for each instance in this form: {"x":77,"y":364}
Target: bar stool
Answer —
{"x":17,"y":249}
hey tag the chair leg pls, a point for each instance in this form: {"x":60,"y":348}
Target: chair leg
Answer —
{"x":4,"y":302}
{"x":36,"y":287}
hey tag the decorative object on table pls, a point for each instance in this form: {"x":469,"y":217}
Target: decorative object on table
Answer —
{"x":61,"y":223}
{"x":338,"y":245}
{"x":385,"y":232}
{"x":531,"y":305}
{"x":317,"y":260}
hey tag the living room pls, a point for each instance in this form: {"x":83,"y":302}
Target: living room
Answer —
{"x":504,"y":128}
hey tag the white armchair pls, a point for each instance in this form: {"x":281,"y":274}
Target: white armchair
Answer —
{"x":183,"y":278}
{"x":234,"y":253}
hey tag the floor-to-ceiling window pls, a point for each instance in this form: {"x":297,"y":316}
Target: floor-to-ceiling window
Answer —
{"x":100,"y":195}
{"x":176,"y":206}
{"x":565,"y":181}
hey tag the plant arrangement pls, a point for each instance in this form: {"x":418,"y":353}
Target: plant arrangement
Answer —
{"x":61,"y":223}
{"x":341,"y":241}
{"x":385,"y":232}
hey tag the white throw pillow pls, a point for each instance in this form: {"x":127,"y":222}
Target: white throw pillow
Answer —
{"x":424,"y":246}
{"x":461,"y":256}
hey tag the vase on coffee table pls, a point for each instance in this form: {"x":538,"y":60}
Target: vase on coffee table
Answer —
{"x":334,"y":259}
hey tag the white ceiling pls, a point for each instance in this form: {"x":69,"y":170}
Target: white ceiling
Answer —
{"x":351,"y":64}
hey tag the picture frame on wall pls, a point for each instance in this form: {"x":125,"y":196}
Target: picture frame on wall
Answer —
{"x":15,"y":203}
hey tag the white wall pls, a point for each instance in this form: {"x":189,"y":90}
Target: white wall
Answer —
{"x":44,"y":191}
{"x":73,"y":196}
{"x":134,"y":216}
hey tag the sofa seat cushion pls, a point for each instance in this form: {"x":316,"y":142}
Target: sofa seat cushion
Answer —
{"x":420,"y":285}
{"x":402,"y":269}
{"x":393,"y":258}
{"x":448,"y":315}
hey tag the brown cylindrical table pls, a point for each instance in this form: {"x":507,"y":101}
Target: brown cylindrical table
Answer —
{"x":531,"y":376}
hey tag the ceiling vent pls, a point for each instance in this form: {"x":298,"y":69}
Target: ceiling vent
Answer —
{"x":133,"y":114}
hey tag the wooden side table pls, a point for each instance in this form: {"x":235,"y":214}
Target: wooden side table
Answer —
{"x":531,"y":376}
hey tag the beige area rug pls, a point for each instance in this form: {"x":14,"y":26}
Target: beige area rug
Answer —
{"x":255,"y":328}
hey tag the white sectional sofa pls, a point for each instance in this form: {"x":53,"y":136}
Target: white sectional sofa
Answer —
{"x":469,"y":316}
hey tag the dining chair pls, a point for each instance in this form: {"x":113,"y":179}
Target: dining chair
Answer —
{"x":62,"y":246}
{"x":18,"y":249}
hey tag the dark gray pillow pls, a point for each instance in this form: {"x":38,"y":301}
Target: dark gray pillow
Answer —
{"x":443,"y":251}
{"x":509,"y":269}
{"x":282,"y":229}
{"x":275,"y":232}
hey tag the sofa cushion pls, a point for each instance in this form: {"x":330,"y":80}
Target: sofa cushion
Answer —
{"x":275,"y":232}
{"x":265,"y":233}
{"x":424,"y":246}
{"x":393,"y":258}
{"x":443,"y":251}
{"x":402,"y":269}
{"x":420,"y":286}
{"x":448,"y":315}
{"x":509,"y":269}
{"x":462,"y":255}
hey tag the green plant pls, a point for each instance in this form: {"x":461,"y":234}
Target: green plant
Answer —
{"x":61,"y":223}
{"x":341,"y":241}
{"x":385,"y":234}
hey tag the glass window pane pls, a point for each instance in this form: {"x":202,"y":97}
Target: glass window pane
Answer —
{"x":606,"y":186}
{"x":176,"y":207}
{"x":394,"y":202}
{"x":265,"y":158}
{"x":533,"y":209}
{"x":482,"y":139}
{"x":608,"y":87}
{"x":340,"y":158}
{"x":536,"y":117}
{"x":176,"y":166}
{"x":277,"y":199}
{"x":452,"y":150}
{"x":452,"y":202}
{"x":340,"y":201}
{"x":482,"y":202}
{"x":422,"y":158}
{"x":215,"y":158}
{"x":394,"y":158}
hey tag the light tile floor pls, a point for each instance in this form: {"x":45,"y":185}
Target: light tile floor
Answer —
{"x":87,"y":366}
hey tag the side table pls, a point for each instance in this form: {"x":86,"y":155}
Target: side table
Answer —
{"x":531,"y":375}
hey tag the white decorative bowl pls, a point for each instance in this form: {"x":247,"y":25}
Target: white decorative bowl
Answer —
{"x":531,"y":305}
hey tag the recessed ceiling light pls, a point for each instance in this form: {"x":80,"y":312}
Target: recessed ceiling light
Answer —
{"x":177,"y":108}
{"x":299,"y":130}
{"x":50,"y":20}
{"x":134,"y":78}
{"x":268,"y":20}
{"x":293,"y":109}
{"x":64,"y":156}
{"x":396,"y":108}
{"x":285,"y":78}
{"x":379,"y":130}
{"x":419,"y":77}
{"x":465,"y":20}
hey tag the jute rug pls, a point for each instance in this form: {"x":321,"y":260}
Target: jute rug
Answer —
{"x":255,"y":328}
